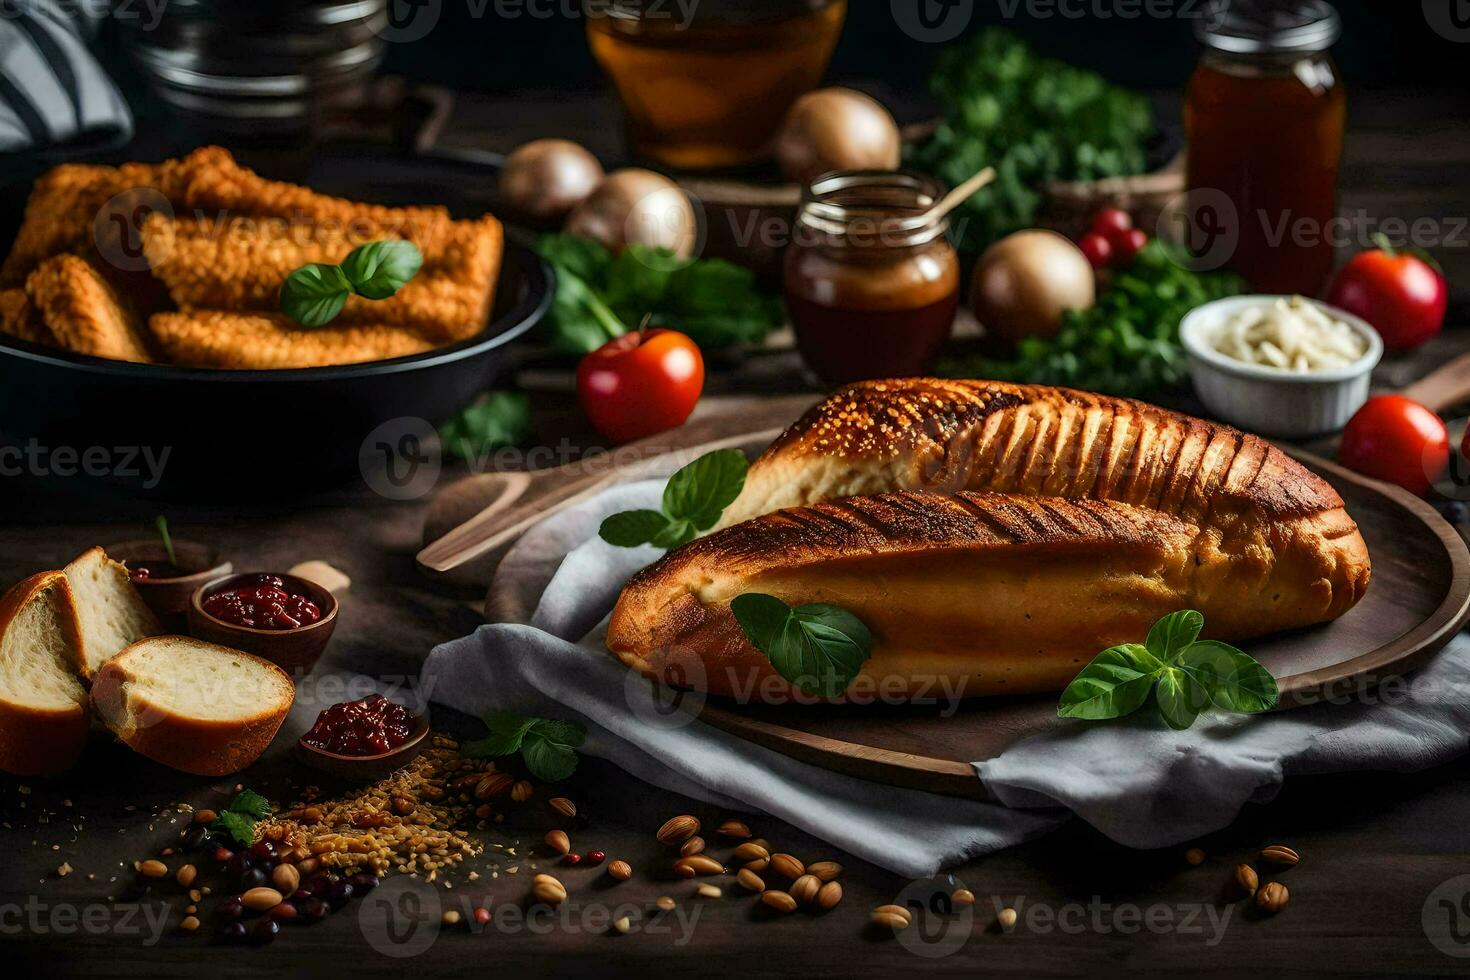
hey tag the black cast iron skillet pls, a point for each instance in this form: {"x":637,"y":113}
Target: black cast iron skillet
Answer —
{"x":236,"y":432}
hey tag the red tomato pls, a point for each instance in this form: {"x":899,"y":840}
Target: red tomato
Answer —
{"x":1111,"y":223}
{"x":1127,"y":246}
{"x":1401,"y":295}
{"x":640,"y":384}
{"x":1097,"y":248}
{"x":1396,"y":439}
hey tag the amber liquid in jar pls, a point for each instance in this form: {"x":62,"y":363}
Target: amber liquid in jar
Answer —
{"x":1268,"y":133}
{"x":712,"y":92}
{"x":871,"y":294}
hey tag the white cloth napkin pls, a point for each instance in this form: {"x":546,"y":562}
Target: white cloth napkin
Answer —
{"x":1142,"y":785}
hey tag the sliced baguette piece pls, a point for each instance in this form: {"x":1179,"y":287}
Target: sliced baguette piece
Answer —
{"x":193,"y":706}
{"x":43,"y":707}
{"x":111,"y":612}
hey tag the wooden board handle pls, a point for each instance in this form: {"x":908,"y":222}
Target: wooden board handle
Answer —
{"x":1444,"y":387}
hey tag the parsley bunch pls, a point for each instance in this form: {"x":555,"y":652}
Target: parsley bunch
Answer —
{"x":239,"y":819}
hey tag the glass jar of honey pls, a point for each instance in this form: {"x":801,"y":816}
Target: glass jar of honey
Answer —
{"x":1264,"y":115}
{"x":706,"y":85}
{"x":872,"y":282}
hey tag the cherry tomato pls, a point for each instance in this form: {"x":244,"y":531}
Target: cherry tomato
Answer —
{"x":1400,"y":294}
{"x":1097,"y":248}
{"x":640,"y":384}
{"x":1396,"y":439}
{"x":1111,"y":223}
{"x":1127,"y":246}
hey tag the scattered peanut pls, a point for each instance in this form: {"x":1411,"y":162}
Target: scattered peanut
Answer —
{"x":563,"y":806}
{"x":708,"y":891}
{"x":963,"y":896}
{"x":622,"y":925}
{"x":261,"y":899}
{"x":699,"y":864}
{"x":1246,"y":878}
{"x":829,"y":895}
{"x":548,"y":890}
{"x":692,"y":846}
{"x":678,"y":829}
{"x":1007,"y":919}
{"x":894,"y":917}
{"x":734,"y":828}
{"x":189,"y":923}
{"x":204,"y":816}
{"x":1194,"y":856}
{"x":1280,"y":854}
{"x":1272,"y":897}
{"x":665,"y":903}
{"x":558,"y":841}
{"x":750,"y":881}
{"x":787,"y":866}
{"x":153,"y":869}
{"x":751,"y":851}
{"x":804,"y":889}
{"x":621,"y":870}
{"x":780,"y":901}
{"x":286,"y":878}
{"x":451,"y":917}
{"x":825,"y":870}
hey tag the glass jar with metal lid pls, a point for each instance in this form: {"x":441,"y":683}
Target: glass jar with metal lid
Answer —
{"x":1265,"y":114}
{"x":872,"y":282}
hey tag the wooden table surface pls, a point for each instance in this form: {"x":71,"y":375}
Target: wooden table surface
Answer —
{"x":1376,"y":848}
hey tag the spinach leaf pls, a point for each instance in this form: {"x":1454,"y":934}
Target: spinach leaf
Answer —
{"x":819,"y":648}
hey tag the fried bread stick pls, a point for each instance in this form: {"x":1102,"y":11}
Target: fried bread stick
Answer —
{"x":83,"y":312}
{"x":244,"y":341}
{"x":19,"y":318}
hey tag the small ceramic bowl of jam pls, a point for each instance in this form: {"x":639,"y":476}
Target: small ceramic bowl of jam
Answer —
{"x":164,"y":585}
{"x":283,"y":618}
{"x":364,"y":740}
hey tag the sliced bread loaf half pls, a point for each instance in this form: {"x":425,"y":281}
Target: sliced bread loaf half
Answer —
{"x":111,"y":612}
{"x":195,"y":706}
{"x":43,"y":707}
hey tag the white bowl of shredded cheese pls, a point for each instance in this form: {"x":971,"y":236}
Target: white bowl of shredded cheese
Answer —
{"x":1280,"y":365}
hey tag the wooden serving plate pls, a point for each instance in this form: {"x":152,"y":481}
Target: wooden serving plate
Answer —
{"x":1419,"y":598}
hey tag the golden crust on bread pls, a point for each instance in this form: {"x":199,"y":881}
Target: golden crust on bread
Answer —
{"x":966,"y":594}
{"x":248,"y":341}
{"x":994,"y":537}
{"x":40,"y":734}
{"x":240,"y":264}
{"x":939,"y":434}
{"x":83,"y":312}
{"x":194,"y":706}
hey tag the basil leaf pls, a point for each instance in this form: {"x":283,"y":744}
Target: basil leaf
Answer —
{"x":1235,"y":680}
{"x":498,"y":419}
{"x":1114,"y":684}
{"x":547,"y":760}
{"x":240,"y":826}
{"x":251,"y":804}
{"x":632,"y":528}
{"x":674,"y":534}
{"x":507,"y":731}
{"x":700,"y":492}
{"x":819,"y":648}
{"x":314,"y":294}
{"x":1181,"y":698}
{"x":549,"y":748}
{"x":377,"y":270}
{"x":1173,"y":634}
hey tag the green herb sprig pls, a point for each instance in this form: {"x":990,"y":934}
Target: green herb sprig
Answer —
{"x":1127,"y":344}
{"x":161,"y":523}
{"x":693,"y":501}
{"x":1185,"y":674}
{"x":494,"y":421}
{"x":547,"y":746}
{"x":600,"y":296}
{"x":240,"y":817}
{"x":819,"y":648}
{"x":314,"y":294}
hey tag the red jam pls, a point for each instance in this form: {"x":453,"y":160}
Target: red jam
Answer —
{"x":371,"y":726}
{"x":263,"y":603}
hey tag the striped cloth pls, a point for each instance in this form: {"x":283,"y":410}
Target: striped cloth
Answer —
{"x":53,"y":93}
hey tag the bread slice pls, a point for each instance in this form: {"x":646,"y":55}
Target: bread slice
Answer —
{"x":193,"y":706}
{"x":43,"y":707}
{"x":111,"y":612}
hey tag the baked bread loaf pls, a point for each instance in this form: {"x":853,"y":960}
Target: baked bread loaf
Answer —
{"x":1016,"y":531}
{"x":109,"y":609}
{"x":43,"y":707}
{"x":194,"y":706}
